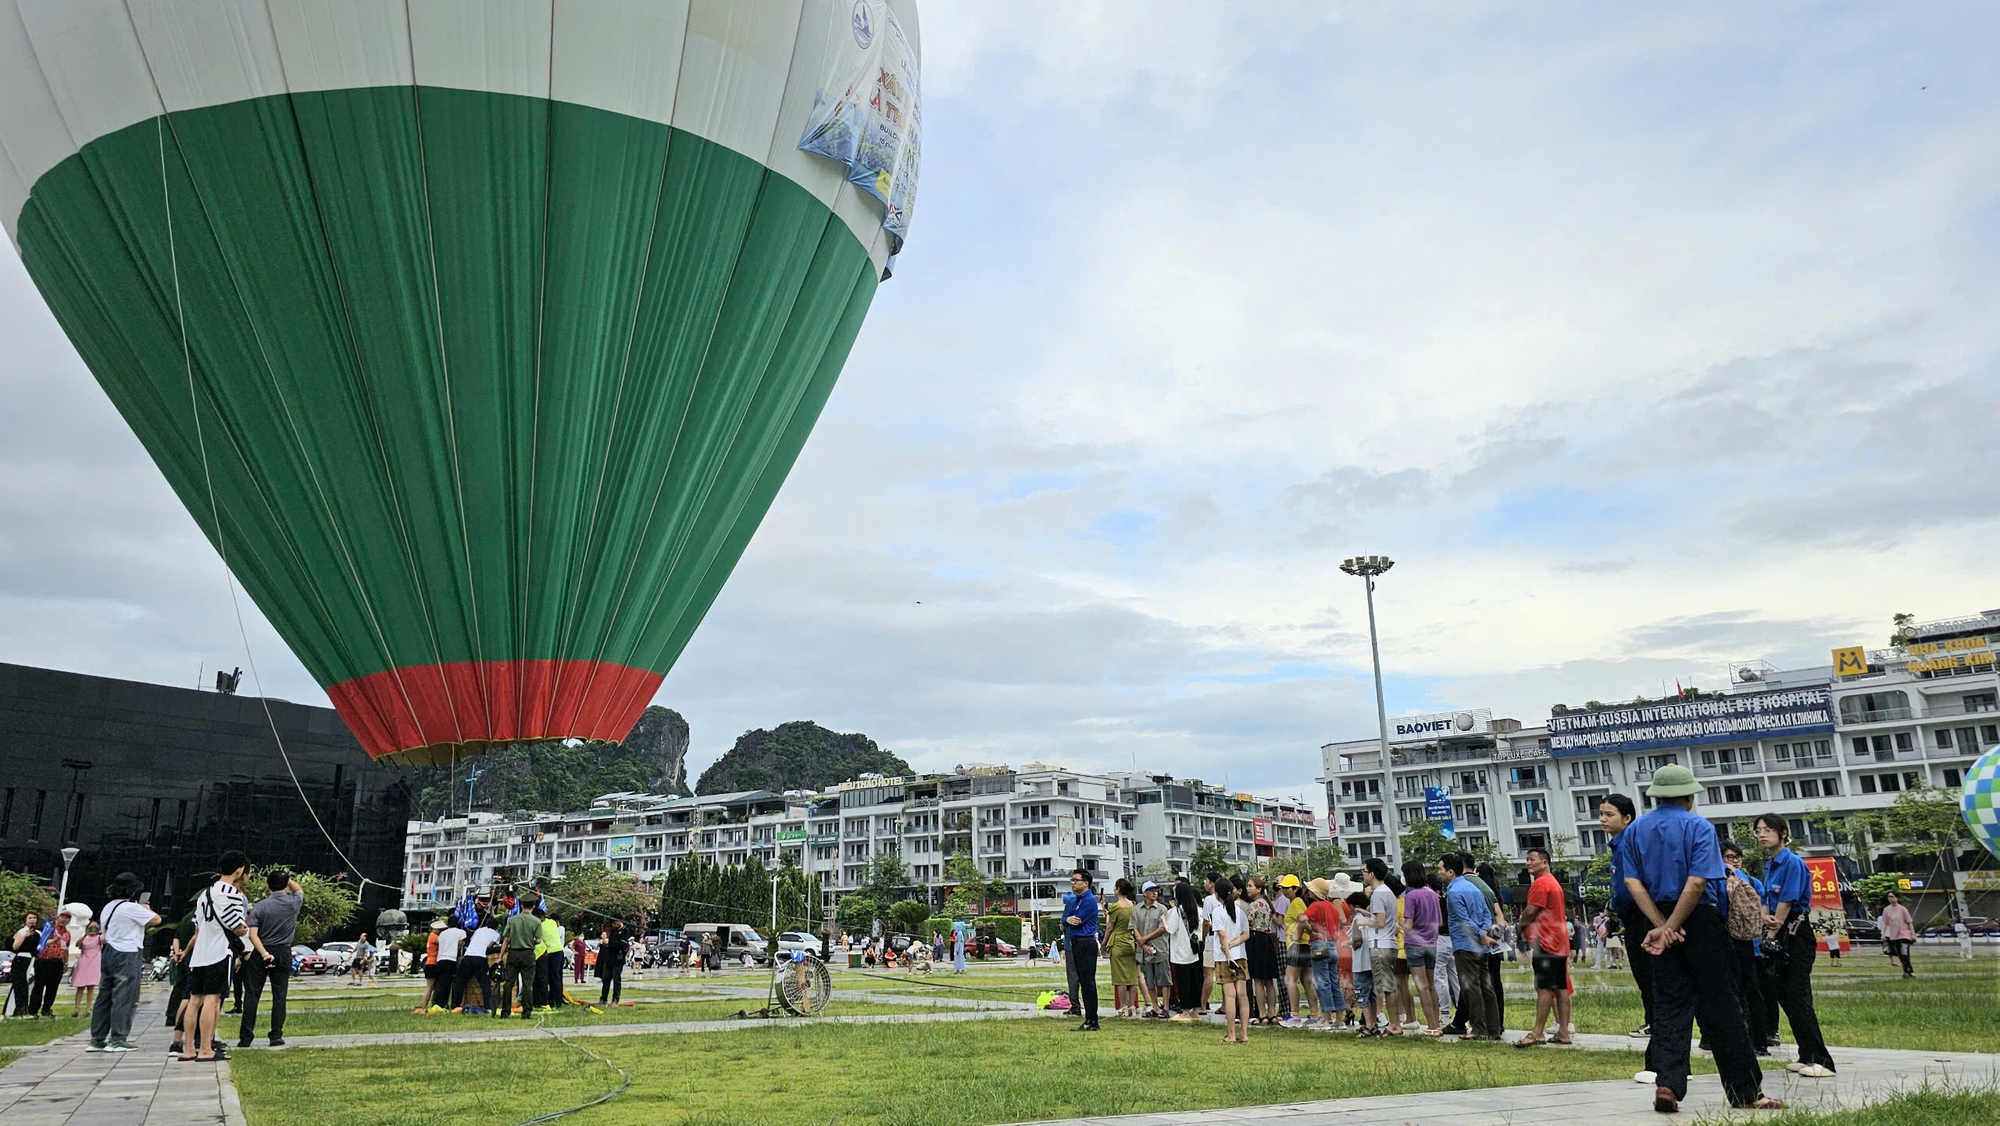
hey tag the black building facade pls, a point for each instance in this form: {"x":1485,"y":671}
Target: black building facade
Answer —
{"x":160,"y":781}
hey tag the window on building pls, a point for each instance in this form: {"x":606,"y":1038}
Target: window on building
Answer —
{"x":1892,"y":784}
{"x":1952,"y":779}
{"x":1989,"y":734}
{"x":1732,"y":793}
{"x":1532,"y":840}
{"x":1782,"y":752}
{"x":1867,"y":783}
{"x":1944,"y":738}
{"x":1712,"y":795}
{"x":1788,"y":790}
{"x":1531,"y":809}
{"x":1905,"y":742}
{"x":1823,"y":746}
{"x":1809,"y":787}
{"x":1829,"y":787}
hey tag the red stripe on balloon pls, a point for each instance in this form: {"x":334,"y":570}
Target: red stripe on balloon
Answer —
{"x":492,"y":702}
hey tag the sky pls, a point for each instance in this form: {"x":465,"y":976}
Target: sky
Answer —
{"x":1643,"y":341}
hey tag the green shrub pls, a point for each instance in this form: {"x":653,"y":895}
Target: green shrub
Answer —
{"x":1051,"y":928}
{"x":1006,"y":928}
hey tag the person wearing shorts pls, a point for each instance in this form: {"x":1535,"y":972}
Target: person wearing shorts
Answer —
{"x":1544,"y":926}
{"x":221,"y":914}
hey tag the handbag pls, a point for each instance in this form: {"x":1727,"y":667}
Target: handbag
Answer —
{"x":1319,"y":950}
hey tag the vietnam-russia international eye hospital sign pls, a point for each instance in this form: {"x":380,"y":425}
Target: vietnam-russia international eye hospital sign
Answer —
{"x":1713,"y":719}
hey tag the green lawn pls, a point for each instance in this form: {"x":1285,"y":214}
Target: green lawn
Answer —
{"x":28,"y":1032}
{"x":8,"y":1057}
{"x":1926,"y":1107}
{"x":319,"y":1021}
{"x":999,"y":1071}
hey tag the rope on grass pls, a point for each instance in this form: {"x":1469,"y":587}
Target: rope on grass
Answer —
{"x":624,"y":1078}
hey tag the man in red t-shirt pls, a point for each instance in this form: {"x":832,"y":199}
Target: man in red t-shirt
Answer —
{"x":1545,"y":928}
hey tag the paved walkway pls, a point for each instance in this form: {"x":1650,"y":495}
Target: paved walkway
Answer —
{"x":60,"y":1084}
{"x":1866,"y":1076}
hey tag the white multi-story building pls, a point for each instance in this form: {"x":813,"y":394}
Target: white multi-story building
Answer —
{"x":1846,"y":736}
{"x":1168,"y":818}
{"x":1027,"y":827}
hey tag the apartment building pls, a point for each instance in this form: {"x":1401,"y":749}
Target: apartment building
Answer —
{"x":1027,"y":827}
{"x":1168,"y":818}
{"x":1846,"y":736}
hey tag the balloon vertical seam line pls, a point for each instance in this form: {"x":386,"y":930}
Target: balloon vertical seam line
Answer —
{"x":566,"y":632}
{"x":653,"y":610}
{"x":526,"y":591}
{"x":161,"y":125}
{"x":389,"y":660}
{"x":215,"y":514}
{"x":694,"y":384}
{"x":444,"y":371}
{"x":709,"y":484}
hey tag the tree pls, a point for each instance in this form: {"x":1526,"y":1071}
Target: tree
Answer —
{"x":1210,"y":856}
{"x":969,"y":887}
{"x":21,"y":893}
{"x":1925,"y":821}
{"x":1874,"y":890}
{"x":856,"y":912}
{"x":909,"y":915}
{"x":1846,"y":830}
{"x":1160,"y":872}
{"x":1903,"y":635}
{"x":886,"y":879}
{"x":326,"y":903}
{"x":1424,"y":840}
{"x":594,"y":891}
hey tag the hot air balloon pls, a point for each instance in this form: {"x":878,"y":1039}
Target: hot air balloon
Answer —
{"x":477,"y":335}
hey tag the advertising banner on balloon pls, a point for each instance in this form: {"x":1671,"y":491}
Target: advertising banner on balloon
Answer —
{"x":867,"y":113}
{"x":1829,"y":914}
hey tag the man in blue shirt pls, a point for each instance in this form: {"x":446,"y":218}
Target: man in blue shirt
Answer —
{"x":1615,"y":815}
{"x":1673,"y":871}
{"x":1080,"y":931}
{"x":1471,"y":920}
{"x":1791,"y":945}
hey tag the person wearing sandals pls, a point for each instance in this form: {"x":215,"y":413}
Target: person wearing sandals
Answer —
{"x":221,"y":920}
{"x":1261,"y":951}
{"x":1422,"y":912}
{"x":1471,"y":923}
{"x":1358,"y":930}
{"x":1790,"y":944}
{"x":1674,"y":872}
{"x":1323,"y":924}
{"x":1229,"y":922}
{"x":1149,"y":927}
{"x":1546,"y":932}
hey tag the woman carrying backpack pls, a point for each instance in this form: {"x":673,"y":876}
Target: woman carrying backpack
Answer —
{"x":1745,"y":897}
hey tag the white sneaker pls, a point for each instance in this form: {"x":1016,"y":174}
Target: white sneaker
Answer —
{"x":1815,"y":1071}
{"x":1646,"y":1078}
{"x":1795,"y":1066}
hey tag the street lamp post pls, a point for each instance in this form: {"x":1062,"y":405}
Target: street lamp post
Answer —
{"x":62,"y":893}
{"x":1368,"y":568}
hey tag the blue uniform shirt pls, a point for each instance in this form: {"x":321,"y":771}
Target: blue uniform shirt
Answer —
{"x":1084,"y":906}
{"x":1786,"y":881}
{"x":1469,"y":915}
{"x":1621,"y":896}
{"x":1666,"y":847}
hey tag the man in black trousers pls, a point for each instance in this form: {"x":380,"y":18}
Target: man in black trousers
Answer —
{"x":1674,"y":872}
{"x":1080,"y":929}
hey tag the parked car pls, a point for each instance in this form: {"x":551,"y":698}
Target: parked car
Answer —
{"x":791,"y":941}
{"x":1864,"y":930}
{"x":337,"y":955}
{"x":1977,"y":924}
{"x":306,"y":960}
{"x":732,"y":941}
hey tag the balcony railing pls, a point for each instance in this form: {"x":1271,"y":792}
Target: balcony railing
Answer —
{"x":1959,"y":707}
{"x":1858,"y":716}
{"x":1708,"y":770}
{"x":1515,"y":784}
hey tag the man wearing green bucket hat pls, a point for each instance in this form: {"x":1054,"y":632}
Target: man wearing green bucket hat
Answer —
{"x":1675,"y":874}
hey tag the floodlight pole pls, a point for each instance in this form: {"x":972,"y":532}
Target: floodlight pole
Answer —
{"x":1368,"y":568}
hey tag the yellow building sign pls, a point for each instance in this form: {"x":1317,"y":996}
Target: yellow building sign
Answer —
{"x":1851,"y":661}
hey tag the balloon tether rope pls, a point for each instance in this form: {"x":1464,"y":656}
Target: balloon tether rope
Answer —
{"x":222,"y":551}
